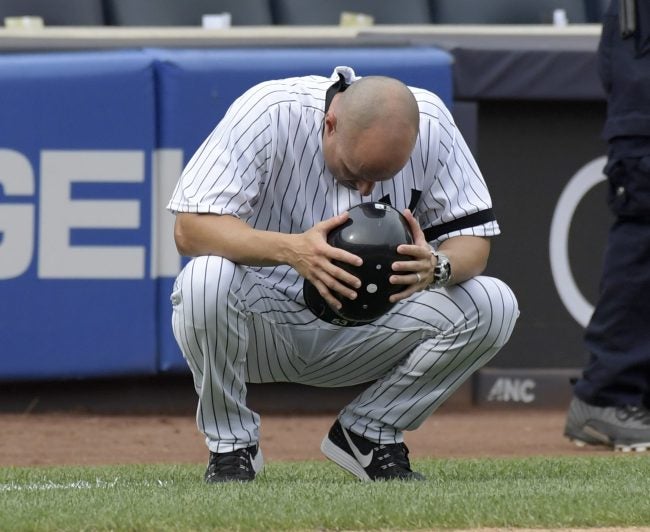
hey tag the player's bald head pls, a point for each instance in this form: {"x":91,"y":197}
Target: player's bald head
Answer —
{"x":371,"y":129}
{"x":375,"y":101}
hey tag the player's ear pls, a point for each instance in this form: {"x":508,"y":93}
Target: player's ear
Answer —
{"x":330,"y":123}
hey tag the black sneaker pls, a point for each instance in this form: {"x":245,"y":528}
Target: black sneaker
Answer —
{"x":623,"y":428}
{"x":241,"y":465}
{"x":365,"y":459}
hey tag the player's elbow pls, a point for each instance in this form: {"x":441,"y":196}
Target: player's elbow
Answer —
{"x":482,"y":255}
{"x":182,"y":236}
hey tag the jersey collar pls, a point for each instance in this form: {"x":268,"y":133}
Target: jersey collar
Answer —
{"x":337,"y":87}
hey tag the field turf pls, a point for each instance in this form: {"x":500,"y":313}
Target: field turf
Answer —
{"x":562,"y":492}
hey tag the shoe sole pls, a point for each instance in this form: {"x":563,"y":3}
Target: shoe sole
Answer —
{"x":258,"y":462}
{"x":594,"y":438}
{"x":343,"y":459}
{"x":618,"y":447}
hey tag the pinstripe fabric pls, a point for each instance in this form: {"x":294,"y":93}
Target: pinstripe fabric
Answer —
{"x":263,"y":163}
{"x":234,"y":328}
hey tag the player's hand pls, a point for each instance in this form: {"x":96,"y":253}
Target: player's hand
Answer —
{"x":416,"y":274}
{"x":313,"y":258}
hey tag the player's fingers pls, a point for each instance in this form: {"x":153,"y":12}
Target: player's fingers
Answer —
{"x":417,"y":251}
{"x":340,"y":280}
{"x":328,"y":285}
{"x":422,"y":267}
{"x":327,"y":295}
{"x":404,"y":294}
{"x":331,"y":252}
{"x":344,"y":256}
{"x":327,"y":225}
{"x":416,"y":230}
{"x":418,"y":279}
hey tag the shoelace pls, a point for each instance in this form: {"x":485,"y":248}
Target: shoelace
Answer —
{"x":635,"y":413}
{"x":393,"y":456}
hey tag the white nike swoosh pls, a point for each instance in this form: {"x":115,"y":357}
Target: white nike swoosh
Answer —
{"x":363,"y":459}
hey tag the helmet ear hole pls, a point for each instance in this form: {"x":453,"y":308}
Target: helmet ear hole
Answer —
{"x":373,"y":232}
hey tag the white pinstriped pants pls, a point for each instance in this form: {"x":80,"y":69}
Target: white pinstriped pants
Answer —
{"x":233,"y":329}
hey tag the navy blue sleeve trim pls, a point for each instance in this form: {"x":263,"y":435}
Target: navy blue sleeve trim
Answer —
{"x":472,"y":220}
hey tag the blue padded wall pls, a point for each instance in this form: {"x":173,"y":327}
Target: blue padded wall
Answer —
{"x":77,"y":131}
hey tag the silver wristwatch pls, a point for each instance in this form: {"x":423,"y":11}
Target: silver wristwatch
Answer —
{"x":442,"y":271}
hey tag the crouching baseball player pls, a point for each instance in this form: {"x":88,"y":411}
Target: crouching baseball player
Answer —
{"x":254,"y":208}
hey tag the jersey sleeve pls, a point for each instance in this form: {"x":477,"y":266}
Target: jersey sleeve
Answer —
{"x":458,"y":201}
{"x":224,"y":175}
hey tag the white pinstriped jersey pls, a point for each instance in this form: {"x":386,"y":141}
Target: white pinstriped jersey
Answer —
{"x":264,"y":164}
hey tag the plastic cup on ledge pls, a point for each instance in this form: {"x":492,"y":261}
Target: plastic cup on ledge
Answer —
{"x":216,"y":21}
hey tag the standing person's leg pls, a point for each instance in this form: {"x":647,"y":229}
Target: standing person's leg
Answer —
{"x":618,"y":335}
{"x":610,"y":403}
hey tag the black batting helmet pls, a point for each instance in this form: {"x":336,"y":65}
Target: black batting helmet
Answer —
{"x":373,"y":232}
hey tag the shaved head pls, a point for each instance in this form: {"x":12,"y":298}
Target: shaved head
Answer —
{"x":370,"y":130}
{"x":376,"y":100}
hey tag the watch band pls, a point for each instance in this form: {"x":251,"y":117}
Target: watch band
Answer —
{"x":442,"y":270}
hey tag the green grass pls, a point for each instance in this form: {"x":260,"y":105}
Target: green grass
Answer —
{"x":611,"y":490}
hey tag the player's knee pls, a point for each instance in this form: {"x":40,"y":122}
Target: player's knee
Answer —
{"x":221,"y":275}
{"x":210,"y":283}
{"x":497,"y":309}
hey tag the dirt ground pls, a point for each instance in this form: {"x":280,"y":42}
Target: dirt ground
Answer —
{"x":83,"y":439}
